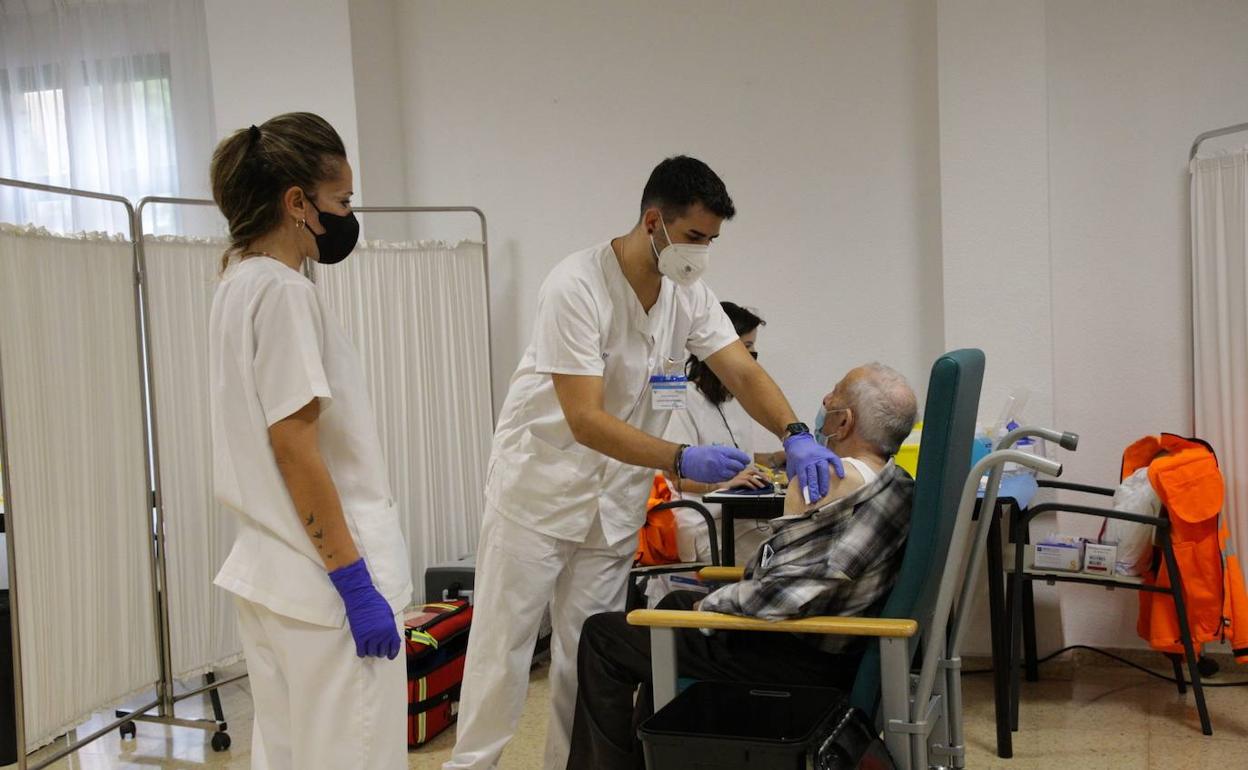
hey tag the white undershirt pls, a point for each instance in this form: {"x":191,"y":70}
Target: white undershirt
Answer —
{"x":867,"y":472}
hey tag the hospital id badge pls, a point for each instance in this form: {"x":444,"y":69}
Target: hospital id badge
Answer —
{"x":668,"y":392}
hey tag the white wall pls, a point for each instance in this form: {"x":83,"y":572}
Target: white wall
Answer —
{"x":1064,"y":131}
{"x":1126,"y":102}
{"x":280,"y":56}
{"x":820,"y":117}
{"x":1006,"y":175}
{"x":1131,"y":84}
{"x":995,"y":215}
{"x":994,"y":195}
{"x":383,"y":159}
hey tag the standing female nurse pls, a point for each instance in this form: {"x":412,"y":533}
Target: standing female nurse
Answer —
{"x":319,"y":569}
{"x":713,"y":416}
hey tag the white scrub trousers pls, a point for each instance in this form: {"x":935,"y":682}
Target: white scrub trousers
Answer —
{"x":318,"y":705}
{"x":520,"y":572}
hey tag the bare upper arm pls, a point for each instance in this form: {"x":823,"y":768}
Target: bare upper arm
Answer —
{"x":837,"y":488}
{"x":579,"y":396}
{"x":296,"y":434}
{"x":731,"y":363}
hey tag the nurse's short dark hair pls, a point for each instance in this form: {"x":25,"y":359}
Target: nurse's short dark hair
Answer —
{"x":679,"y":182}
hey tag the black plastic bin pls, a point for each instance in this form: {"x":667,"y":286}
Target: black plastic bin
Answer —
{"x":8,"y":711}
{"x":729,"y":725}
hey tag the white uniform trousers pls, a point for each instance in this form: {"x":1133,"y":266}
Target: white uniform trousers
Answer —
{"x":519,"y":573}
{"x":317,"y":704}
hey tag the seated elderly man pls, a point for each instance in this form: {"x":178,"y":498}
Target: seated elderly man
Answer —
{"x":837,"y":556}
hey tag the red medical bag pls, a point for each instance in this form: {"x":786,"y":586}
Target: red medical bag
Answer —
{"x":437,"y":639}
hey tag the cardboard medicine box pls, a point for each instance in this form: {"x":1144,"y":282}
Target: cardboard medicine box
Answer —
{"x":1065,"y":557}
{"x":1099,"y":559}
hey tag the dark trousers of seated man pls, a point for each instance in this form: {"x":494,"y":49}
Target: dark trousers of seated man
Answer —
{"x":614,"y":659}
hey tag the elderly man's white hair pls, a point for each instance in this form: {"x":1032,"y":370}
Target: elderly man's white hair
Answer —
{"x":885,"y":406}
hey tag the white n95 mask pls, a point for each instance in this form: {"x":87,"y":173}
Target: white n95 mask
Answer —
{"x":684,"y":263}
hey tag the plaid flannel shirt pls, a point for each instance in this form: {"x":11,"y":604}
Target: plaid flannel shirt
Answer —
{"x":840,"y":560}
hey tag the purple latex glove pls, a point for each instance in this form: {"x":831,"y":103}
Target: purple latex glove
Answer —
{"x":372,"y":622}
{"x":807,"y":464}
{"x":712,"y":464}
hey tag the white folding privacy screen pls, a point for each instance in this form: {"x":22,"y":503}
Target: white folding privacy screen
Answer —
{"x":77,"y":472}
{"x":417,"y":313}
{"x":181,"y":277}
{"x":1219,"y":231}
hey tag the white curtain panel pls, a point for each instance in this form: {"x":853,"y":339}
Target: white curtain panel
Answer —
{"x":107,"y":95}
{"x":181,"y":278}
{"x":79,"y":506}
{"x":417,"y":314}
{"x":1219,"y":203}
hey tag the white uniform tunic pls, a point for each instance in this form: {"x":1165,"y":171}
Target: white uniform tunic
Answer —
{"x":561,"y":520}
{"x":273,"y":348}
{"x":590,"y":322}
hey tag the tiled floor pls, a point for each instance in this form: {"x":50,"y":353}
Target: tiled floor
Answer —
{"x":1090,"y":717}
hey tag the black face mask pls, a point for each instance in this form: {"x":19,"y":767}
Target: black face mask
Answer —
{"x":339,"y":238}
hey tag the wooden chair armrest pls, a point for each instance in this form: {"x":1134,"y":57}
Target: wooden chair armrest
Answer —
{"x":840,"y":626}
{"x":664,"y":569}
{"x":721,"y":574}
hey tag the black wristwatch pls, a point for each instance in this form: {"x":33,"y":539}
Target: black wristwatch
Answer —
{"x":796,"y":429}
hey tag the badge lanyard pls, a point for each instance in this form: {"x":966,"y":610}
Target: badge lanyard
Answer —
{"x":731,"y":435}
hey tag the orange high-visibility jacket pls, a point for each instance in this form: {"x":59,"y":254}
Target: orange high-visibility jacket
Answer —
{"x":657,"y":544}
{"x":1185,"y":475}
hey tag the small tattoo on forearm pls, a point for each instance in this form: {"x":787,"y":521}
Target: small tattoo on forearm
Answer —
{"x":311,"y":520}
{"x":319,"y":534}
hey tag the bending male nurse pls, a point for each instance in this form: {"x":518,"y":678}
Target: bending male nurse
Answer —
{"x":319,"y":568}
{"x":577,"y":442}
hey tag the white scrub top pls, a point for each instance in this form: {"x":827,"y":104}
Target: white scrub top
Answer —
{"x":590,"y":322}
{"x":273,"y":347}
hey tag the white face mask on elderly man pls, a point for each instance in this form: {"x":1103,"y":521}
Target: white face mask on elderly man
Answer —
{"x":684,"y":263}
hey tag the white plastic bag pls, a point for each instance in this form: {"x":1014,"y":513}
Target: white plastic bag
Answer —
{"x":1135,"y":541}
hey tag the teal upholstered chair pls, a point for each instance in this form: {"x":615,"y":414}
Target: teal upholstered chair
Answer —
{"x":882,"y":684}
